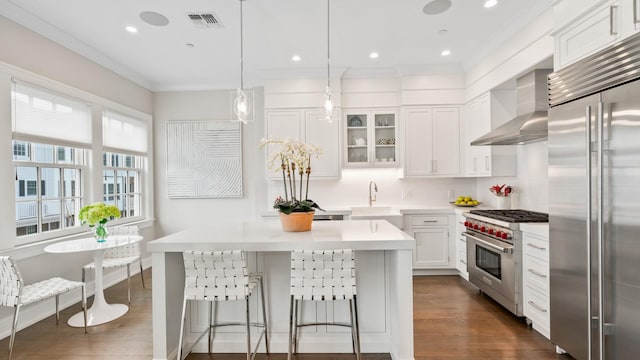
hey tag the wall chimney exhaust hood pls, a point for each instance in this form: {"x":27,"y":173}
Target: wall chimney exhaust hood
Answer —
{"x":531,"y":123}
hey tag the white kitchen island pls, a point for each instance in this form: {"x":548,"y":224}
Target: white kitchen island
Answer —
{"x":384,"y":280}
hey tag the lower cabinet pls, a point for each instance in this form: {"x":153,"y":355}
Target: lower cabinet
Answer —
{"x":535,"y":274}
{"x":433,"y":246}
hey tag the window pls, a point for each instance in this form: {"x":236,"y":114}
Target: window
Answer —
{"x":48,"y":190}
{"x":121,"y":182}
{"x":48,"y":170}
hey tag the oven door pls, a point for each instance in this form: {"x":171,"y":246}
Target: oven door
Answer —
{"x":491,"y":266}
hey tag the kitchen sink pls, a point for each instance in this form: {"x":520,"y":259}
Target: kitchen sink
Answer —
{"x":372,"y":211}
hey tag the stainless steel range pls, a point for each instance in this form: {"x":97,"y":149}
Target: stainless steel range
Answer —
{"x":494,"y":253}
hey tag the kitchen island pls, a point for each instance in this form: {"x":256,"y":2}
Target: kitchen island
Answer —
{"x":384,"y":280}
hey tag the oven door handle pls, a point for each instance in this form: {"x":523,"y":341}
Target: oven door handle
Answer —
{"x":502,"y":249}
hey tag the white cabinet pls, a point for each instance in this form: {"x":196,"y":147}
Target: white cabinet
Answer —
{"x":433,"y":248}
{"x":311,"y":127}
{"x":482,"y":114}
{"x":431,"y":141}
{"x":371,"y":138}
{"x":461,"y":247}
{"x":584,"y":27}
{"x":536,"y":276}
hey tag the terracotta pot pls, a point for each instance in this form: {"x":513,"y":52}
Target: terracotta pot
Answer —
{"x":297,"y":221}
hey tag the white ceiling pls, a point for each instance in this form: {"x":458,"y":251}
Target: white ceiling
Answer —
{"x":158,"y":59}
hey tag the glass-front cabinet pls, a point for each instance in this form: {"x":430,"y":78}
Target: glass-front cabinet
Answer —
{"x":371,"y":138}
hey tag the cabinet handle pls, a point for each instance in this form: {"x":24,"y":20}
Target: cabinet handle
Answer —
{"x":429,"y":221}
{"x":486,"y":163}
{"x":635,"y":12}
{"x":612,"y":24}
{"x":435,"y":165}
{"x":537,"y":273}
{"x":538,"y":307}
{"x":536,"y":247}
{"x":475,"y":163}
{"x":464,"y":262}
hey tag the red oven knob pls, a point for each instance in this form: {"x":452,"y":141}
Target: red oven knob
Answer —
{"x":466,"y":223}
{"x":499,"y":234}
{"x":504,"y":236}
{"x":475,"y":226}
{"x":490,"y":231}
{"x":483,"y":229}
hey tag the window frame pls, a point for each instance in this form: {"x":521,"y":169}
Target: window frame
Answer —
{"x":140,"y":170}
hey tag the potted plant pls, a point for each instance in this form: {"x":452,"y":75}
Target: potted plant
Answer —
{"x":293,"y":159}
{"x":98,"y":215}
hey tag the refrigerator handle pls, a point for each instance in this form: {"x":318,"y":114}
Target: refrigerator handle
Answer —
{"x":589,"y":219}
{"x":600,"y":214}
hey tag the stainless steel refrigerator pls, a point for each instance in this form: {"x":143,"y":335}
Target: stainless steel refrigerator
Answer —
{"x":594,"y":204}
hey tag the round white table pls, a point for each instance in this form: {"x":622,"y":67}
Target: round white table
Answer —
{"x":100,"y":312}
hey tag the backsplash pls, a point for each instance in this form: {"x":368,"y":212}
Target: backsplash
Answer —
{"x":353,"y":189}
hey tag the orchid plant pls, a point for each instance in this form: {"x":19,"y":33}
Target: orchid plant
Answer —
{"x":293,"y":158}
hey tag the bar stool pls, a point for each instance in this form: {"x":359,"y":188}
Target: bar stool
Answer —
{"x":323,"y":275}
{"x":14,"y":293}
{"x":221,"y":276}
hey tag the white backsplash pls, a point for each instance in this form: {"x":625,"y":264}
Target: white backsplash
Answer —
{"x":531,"y":186}
{"x":353,"y":189}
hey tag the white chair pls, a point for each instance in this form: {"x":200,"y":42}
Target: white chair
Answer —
{"x":323,"y":275}
{"x":221,"y":276}
{"x":14,"y":293}
{"x":120,"y":256}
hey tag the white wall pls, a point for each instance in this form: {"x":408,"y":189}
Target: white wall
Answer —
{"x":177,"y":214}
{"x":531,"y":186}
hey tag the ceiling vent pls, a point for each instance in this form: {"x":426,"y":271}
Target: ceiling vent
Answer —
{"x":205,"y":20}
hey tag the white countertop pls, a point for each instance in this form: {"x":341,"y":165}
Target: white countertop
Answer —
{"x":269,"y":236}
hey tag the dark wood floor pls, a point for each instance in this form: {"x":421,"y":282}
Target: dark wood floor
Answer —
{"x":452,"y":321}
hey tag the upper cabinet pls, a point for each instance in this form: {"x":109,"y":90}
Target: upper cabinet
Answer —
{"x":484,"y":113}
{"x":310,"y":126}
{"x":371,"y":138}
{"x":584,"y":27}
{"x":432,"y":141}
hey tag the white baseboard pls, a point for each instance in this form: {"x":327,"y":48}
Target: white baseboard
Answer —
{"x":31,"y":314}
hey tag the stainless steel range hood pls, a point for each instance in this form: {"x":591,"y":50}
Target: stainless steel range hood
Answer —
{"x":531,"y":123}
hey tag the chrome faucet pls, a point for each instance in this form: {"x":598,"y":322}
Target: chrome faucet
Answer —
{"x":372,"y":196}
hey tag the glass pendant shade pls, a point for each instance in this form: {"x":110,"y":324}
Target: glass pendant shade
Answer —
{"x":328,"y":105}
{"x":241,"y":106}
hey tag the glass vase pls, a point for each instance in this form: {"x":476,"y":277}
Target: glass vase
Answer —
{"x":101,"y":232}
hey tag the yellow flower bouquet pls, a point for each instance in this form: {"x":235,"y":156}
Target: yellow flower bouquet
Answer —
{"x":98,"y":215}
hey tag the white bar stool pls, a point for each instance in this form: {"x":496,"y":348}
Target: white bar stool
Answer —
{"x":221,"y":276}
{"x":14,"y":293}
{"x":323,"y":275}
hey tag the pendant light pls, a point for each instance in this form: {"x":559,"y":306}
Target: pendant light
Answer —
{"x":328,"y":103}
{"x":240,"y":100}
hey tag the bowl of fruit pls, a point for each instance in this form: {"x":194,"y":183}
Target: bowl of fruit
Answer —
{"x":466,"y":201}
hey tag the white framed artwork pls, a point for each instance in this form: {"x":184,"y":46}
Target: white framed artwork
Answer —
{"x":204,"y":159}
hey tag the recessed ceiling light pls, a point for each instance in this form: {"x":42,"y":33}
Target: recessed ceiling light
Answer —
{"x":296,"y":58}
{"x":436,"y":7}
{"x":374,"y":55}
{"x":445,"y":52}
{"x":443,"y":32}
{"x":490,"y":3}
{"x":189,"y":45}
{"x":154,"y":18}
{"x":131,"y":29}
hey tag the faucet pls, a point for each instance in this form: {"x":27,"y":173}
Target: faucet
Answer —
{"x":372,"y":197}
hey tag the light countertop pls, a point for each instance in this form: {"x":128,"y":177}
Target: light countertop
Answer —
{"x":269,"y":236}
